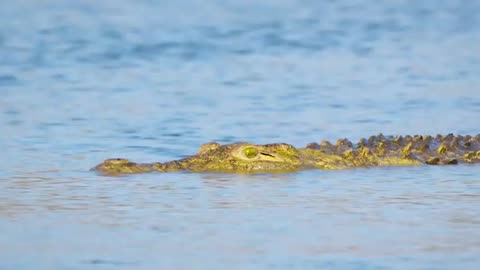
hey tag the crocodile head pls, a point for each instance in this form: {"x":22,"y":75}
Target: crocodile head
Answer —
{"x":213,"y":157}
{"x":237,"y":157}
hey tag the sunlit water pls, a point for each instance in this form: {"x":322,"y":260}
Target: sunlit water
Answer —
{"x":81,"y":81}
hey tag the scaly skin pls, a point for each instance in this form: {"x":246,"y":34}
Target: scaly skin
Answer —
{"x":276,"y":158}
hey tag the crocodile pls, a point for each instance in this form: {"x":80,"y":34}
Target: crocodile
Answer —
{"x":377,"y":150}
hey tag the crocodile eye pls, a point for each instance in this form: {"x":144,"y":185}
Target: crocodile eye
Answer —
{"x":250,"y":152}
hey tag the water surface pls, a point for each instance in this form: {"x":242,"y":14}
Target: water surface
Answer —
{"x":150,"y":81}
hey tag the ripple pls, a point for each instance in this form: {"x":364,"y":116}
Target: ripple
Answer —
{"x":8,"y":80}
{"x":112,"y":262}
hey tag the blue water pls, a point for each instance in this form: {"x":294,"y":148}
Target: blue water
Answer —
{"x":82,"y":81}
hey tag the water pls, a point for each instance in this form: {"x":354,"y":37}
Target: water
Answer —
{"x":151,"y":81}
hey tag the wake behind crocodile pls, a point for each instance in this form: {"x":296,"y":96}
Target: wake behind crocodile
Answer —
{"x":377,"y":150}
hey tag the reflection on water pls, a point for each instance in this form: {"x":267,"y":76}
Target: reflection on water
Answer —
{"x":151,"y":81}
